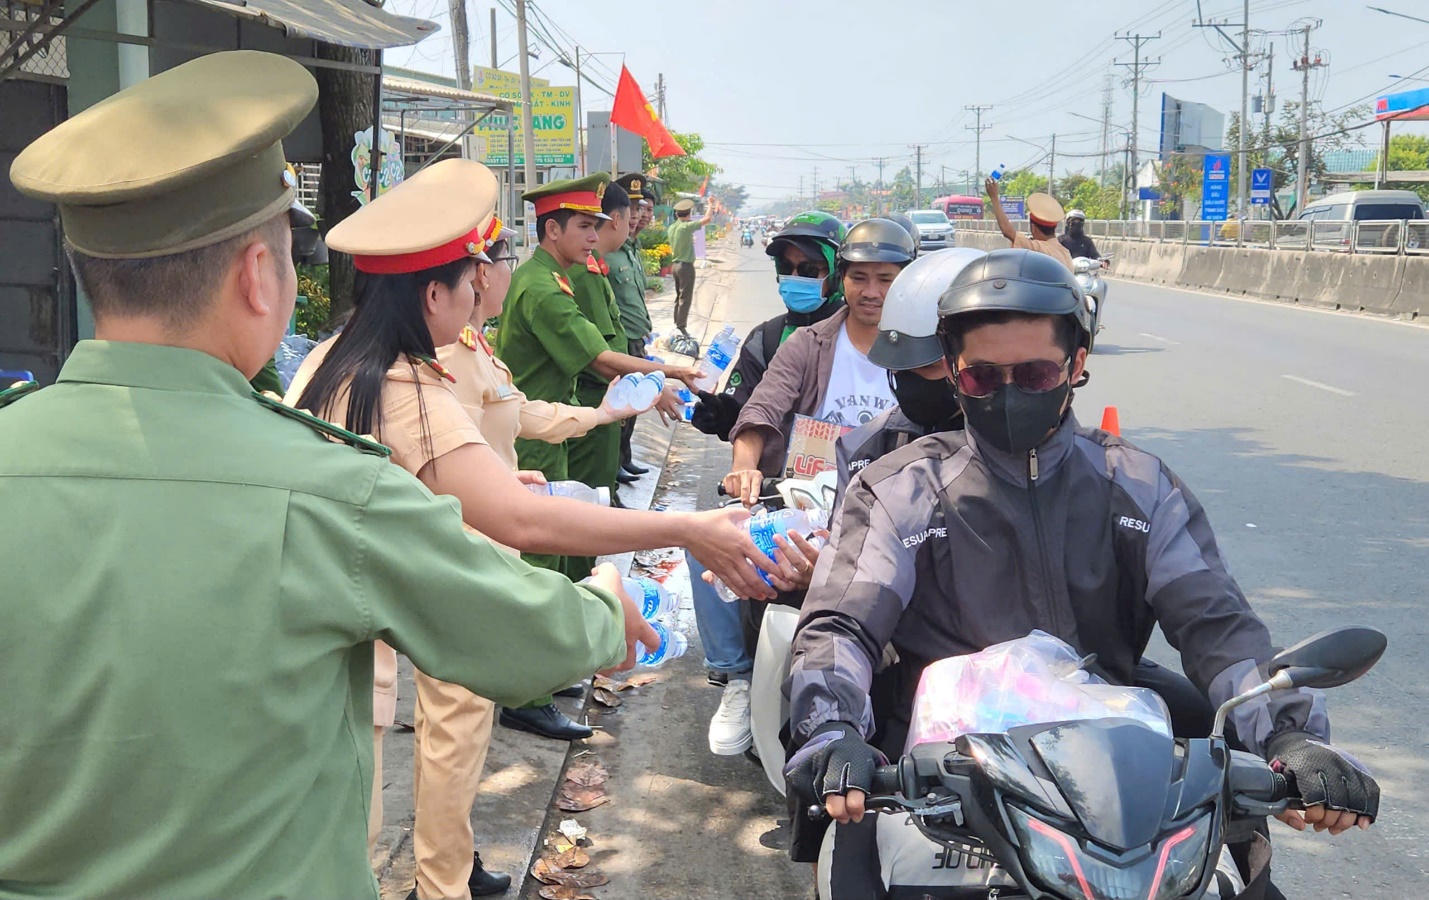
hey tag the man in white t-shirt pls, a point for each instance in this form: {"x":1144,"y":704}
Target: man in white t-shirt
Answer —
{"x":823,"y":370}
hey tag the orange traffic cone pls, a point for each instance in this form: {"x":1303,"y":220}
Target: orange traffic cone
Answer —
{"x":1111,"y":422}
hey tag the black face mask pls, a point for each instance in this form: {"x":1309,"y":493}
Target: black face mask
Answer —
{"x":1074,"y":228}
{"x":1014,"y":420}
{"x":931,"y":404}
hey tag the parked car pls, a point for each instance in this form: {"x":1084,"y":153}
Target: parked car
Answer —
{"x":1364,"y":206}
{"x":935,"y":229}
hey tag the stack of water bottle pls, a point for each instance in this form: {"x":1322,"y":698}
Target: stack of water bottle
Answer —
{"x":765,"y":526}
{"x":658,"y":607}
{"x":635,"y":392}
{"x":573,"y":490}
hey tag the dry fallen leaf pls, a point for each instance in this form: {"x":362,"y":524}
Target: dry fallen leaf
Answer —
{"x":574,"y":858}
{"x":640,"y":679}
{"x":588,"y":773}
{"x":606,"y":698}
{"x":610,"y":684}
{"x":560,"y":843}
{"x":542,"y":870}
{"x":579,"y":799}
{"x":581,"y":879}
{"x":563,"y":892}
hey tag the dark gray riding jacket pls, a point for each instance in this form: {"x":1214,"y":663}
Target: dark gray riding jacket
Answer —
{"x":947,"y":546}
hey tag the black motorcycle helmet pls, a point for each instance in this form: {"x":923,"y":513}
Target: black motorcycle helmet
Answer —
{"x":907,"y":222}
{"x":1017,"y":281}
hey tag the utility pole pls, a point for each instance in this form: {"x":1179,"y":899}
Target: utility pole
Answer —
{"x":1303,"y":65}
{"x":977,"y":130}
{"x":1242,"y":174}
{"x":580,"y":119}
{"x":1106,"y":129}
{"x":493,"y":37}
{"x":942,"y":179}
{"x":1267,"y":100}
{"x":801,"y":190}
{"x":918,"y":157}
{"x":878,"y":198}
{"x":660,"y":95}
{"x":1137,"y":66}
{"x":461,"y":44}
{"x":528,"y":135}
{"x":816,"y":186}
{"x":1052,"y":169}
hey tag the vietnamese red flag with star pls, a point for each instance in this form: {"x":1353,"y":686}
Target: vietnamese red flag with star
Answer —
{"x":633,"y":112}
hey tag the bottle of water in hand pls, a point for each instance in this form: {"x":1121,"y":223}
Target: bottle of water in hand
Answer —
{"x":763,"y":527}
{"x":573,"y":490}
{"x":673,"y":645}
{"x":654,"y":601}
{"x":717,"y":358}
{"x":997,"y":173}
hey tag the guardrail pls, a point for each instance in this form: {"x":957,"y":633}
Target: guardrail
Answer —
{"x":1392,"y":237}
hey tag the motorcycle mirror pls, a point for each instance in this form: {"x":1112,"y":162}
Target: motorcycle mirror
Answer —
{"x":1331,"y":658}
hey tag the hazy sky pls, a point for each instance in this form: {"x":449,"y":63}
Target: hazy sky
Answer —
{"x":782,"y":88}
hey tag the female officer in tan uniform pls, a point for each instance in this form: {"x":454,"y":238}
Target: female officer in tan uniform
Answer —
{"x":416,"y":250}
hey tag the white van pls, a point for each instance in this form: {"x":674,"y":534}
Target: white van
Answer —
{"x":1364,"y":206}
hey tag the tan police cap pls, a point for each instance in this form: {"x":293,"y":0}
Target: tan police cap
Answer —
{"x":1044,"y":209}
{"x":185,"y":159}
{"x":435,"y":217}
{"x":684,"y":205}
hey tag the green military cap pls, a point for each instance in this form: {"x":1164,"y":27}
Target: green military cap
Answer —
{"x":684,"y":205}
{"x":636,"y":185}
{"x":580,"y":194}
{"x":185,"y":159}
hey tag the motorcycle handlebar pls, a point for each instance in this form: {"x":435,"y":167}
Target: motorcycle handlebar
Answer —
{"x":886,"y":780}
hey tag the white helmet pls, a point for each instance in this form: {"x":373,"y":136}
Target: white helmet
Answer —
{"x":908,"y":331}
{"x":1077,"y":214}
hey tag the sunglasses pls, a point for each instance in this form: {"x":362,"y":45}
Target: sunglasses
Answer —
{"x":1034,"y":377}
{"x":803,"y":270}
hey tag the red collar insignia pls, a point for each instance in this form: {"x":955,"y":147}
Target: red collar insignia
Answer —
{"x":563,"y":283}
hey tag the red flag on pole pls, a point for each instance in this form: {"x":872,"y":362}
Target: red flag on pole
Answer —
{"x":705,"y":186}
{"x":633,"y":112}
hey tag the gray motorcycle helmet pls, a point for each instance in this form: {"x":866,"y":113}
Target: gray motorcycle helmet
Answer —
{"x":907,"y":222}
{"x":1020,"y":281}
{"x":877,"y":241}
{"x":908,"y":330}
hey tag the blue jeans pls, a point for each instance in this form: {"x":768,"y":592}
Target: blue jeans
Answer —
{"x":721,"y":631}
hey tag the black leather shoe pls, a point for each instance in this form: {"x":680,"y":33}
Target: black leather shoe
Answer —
{"x":484,"y":883}
{"x":577,"y":691}
{"x":615,"y":501}
{"x":547,"y":721}
{"x":635,"y":468}
{"x":624,"y":477}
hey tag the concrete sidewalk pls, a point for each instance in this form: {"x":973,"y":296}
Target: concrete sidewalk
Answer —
{"x":523,"y":771}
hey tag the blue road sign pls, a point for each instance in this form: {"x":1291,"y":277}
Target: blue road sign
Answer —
{"x":1261,"y":186}
{"x":1215,"y":186}
{"x":1015,"y":207}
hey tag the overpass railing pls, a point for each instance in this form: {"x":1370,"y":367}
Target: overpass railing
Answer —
{"x":1395,"y":237}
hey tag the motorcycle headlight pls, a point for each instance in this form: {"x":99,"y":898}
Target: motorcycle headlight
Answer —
{"x":1059,"y":864}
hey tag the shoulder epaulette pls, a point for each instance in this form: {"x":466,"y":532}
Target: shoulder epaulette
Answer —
{"x":325,"y":428}
{"x":10,"y":395}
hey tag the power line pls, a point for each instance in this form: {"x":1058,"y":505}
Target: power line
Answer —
{"x":1137,"y":66}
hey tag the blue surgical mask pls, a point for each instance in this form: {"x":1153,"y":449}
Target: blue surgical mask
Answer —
{"x":801,"y":295}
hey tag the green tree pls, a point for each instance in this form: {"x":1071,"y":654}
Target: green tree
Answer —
{"x":1021,"y":182}
{"x":905,"y":192}
{"x":1281,"y":151}
{"x":1096,"y":201}
{"x":1407,"y":153}
{"x":733,"y":196}
{"x":1068,"y":186}
{"x":1181,"y":178}
{"x":681,"y":173}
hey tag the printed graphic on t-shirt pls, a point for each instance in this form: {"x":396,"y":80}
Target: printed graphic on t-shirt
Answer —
{"x":858,"y":390}
{"x":855,"y":409}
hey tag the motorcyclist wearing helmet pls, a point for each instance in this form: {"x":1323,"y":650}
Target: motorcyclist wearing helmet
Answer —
{"x":1025,"y":520}
{"x":804,"y":254}
{"x":906,"y":221}
{"x":823,"y":371}
{"x":1076,"y":239}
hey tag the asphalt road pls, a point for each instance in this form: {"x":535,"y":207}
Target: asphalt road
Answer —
{"x":1299,"y":431}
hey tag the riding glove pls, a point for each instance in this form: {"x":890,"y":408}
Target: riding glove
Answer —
{"x":1321,"y":774}
{"x":834,"y":761}
{"x":715,"y":414}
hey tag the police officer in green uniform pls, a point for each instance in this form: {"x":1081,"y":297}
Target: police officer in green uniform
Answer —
{"x":545,"y":339}
{"x":594,"y":458}
{"x":627,"y":279}
{"x":682,"y":250}
{"x":197,"y":574}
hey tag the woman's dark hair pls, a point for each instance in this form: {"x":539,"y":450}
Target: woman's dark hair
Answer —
{"x":387,"y":323}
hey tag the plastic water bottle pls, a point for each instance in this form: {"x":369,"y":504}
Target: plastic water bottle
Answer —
{"x":573,"y":490}
{"x":687,"y":414}
{"x":637,"y":392}
{"x":717,"y":358}
{"x":996,"y":174}
{"x":673,"y":645}
{"x":763,"y":527}
{"x":650,"y":595}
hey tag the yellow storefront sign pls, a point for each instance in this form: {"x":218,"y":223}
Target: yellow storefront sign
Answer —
{"x":553,"y":120}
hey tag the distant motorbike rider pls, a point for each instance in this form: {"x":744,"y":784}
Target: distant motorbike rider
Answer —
{"x":1026,"y":520}
{"x":1076,"y":239}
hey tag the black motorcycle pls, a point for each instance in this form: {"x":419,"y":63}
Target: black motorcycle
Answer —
{"x":1107,"y":809}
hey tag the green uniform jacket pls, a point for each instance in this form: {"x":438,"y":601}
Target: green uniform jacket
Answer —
{"x":627,"y":279}
{"x":545,"y":340}
{"x":192,"y":587}
{"x":682,"y":239}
